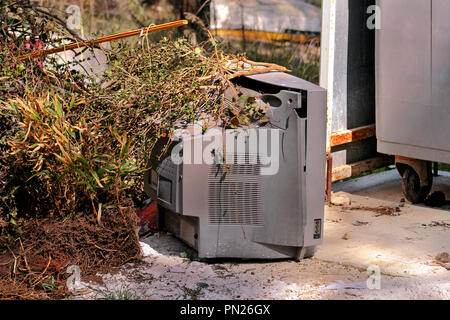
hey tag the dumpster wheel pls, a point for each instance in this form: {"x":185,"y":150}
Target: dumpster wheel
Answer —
{"x":413,"y":189}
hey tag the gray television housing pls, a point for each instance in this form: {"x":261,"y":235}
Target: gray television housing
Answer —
{"x":234,"y":211}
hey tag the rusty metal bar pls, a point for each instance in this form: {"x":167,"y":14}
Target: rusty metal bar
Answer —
{"x":361,"y":167}
{"x":113,"y":37}
{"x":265,"y":35}
{"x":329,"y":175}
{"x":357,"y":134}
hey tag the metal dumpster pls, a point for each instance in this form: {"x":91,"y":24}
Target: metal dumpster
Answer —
{"x":413,"y":89}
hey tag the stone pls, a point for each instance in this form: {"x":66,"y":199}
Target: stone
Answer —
{"x":341,"y":201}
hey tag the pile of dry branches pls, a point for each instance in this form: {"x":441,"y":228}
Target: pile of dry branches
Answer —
{"x":62,"y":198}
{"x":73,"y":148}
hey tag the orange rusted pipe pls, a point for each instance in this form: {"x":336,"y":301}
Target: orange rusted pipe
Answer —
{"x":109,"y":38}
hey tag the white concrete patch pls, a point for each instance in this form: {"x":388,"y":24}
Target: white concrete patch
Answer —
{"x":148,"y":251}
{"x":401,"y":246}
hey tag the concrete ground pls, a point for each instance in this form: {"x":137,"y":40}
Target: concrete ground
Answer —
{"x":388,"y":186}
{"x":402,"y":245}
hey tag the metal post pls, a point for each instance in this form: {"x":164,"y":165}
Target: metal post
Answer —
{"x":328,"y":37}
{"x":436,"y":169}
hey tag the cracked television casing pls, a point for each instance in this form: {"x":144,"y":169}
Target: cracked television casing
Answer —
{"x":247,"y":208}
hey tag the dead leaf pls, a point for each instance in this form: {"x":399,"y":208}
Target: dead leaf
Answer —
{"x":346,"y":236}
{"x":443,"y":257}
{"x":3,"y":223}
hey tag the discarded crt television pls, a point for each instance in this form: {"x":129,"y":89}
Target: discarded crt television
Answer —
{"x":252,"y":193}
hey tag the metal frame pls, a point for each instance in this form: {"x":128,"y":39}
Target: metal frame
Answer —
{"x":350,"y":110}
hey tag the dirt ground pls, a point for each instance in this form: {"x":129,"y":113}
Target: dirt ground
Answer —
{"x":403,"y":246}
